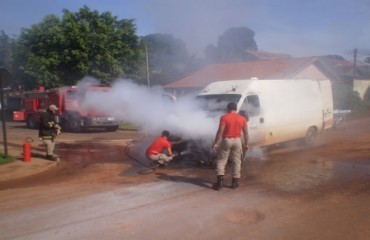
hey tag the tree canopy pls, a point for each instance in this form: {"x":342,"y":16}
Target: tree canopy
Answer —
{"x":168,"y":58}
{"x":6,"y":55}
{"x":232,"y":46}
{"x":60,"y":51}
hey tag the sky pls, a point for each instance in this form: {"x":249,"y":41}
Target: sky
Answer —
{"x":299,"y":28}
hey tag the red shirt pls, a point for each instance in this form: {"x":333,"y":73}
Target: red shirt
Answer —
{"x":233,"y":123}
{"x":158,"y":146}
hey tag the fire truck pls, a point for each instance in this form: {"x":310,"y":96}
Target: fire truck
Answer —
{"x":71,"y":115}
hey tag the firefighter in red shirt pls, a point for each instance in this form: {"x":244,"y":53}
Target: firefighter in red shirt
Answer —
{"x":160,"y":150}
{"x":229,"y":132}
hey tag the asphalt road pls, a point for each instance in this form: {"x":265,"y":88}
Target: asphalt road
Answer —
{"x":291,"y":193}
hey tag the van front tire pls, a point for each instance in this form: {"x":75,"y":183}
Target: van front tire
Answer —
{"x":310,"y":137}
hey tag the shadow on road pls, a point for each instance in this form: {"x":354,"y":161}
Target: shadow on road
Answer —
{"x":201,"y":182}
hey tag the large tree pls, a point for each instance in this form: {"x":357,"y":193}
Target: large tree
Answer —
{"x":8,"y":58}
{"x":168,"y":58}
{"x":6,"y":55}
{"x":232,"y":46}
{"x":61,"y":51}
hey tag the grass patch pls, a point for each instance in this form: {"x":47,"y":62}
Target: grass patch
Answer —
{"x":4,"y":159}
{"x":128,"y":126}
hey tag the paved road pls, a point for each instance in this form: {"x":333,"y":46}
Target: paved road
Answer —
{"x":294,"y":193}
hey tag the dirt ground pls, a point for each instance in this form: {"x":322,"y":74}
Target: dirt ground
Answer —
{"x":292,"y":192}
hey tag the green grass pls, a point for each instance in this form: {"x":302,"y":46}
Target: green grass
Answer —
{"x":4,"y":159}
{"x":128,"y":126}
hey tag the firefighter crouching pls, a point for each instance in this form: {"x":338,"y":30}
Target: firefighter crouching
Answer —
{"x":49,"y":130}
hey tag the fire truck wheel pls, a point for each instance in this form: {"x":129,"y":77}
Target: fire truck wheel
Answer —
{"x":31,"y":123}
{"x":112,"y":128}
{"x":73,"y":126}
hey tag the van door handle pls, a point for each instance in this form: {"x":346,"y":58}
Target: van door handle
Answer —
{"x":262,"y":120}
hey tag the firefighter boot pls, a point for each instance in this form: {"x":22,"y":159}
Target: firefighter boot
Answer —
{"x":219,"y":184}
{"x":51,"y":157}
{"x":235,"y":183}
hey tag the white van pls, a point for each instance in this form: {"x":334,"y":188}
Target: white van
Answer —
{"x":277,"y":110}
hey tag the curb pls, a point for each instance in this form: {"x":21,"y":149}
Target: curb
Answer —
{"x":20,"y":169}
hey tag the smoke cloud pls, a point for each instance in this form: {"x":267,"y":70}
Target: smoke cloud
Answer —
{"x":151,"y":109}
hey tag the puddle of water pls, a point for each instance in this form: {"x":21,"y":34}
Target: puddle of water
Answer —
{"x":302,"y":175}
{"x":84,"y":154}
{"x":352,"y":169}
{"x":287,"y":175}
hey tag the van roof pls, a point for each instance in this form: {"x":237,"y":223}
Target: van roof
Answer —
{"x":227,"y":87}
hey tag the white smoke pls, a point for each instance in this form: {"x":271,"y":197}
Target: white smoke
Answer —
{"x":151,"y":110}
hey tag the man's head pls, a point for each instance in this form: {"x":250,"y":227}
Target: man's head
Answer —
{"x":231,"y":107}
{"x":53,"y":108}
{"x":165,"y":133}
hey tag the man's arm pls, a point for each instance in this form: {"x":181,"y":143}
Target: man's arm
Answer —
{"x":169,"y":151}
{"x":219,"y":133}
{"x":246,"y":137}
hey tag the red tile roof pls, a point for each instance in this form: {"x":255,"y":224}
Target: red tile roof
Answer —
{"x":262,"y":55}
{"x":281,"y":68}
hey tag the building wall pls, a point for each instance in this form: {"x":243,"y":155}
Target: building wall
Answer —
{"x":363,"y":88}
{"x":311,"y":72}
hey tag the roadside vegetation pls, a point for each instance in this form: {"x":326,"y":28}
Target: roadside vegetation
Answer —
{"x":4,"y":159}
{"x":346,"y":99}
{"x":128,"y":127}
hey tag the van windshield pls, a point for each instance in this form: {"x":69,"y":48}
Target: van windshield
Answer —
{"x":217,"y":102}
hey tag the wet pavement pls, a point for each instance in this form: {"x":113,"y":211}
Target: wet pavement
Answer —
{"x":274,"y":169}
{"x":291,"y":168}
{"x":321,"y":192}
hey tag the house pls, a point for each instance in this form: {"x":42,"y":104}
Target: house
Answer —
{"x":286,"y":68}
{"x":263,"y":55}
{"x":341,"y":71}
{"x":336,"y":69}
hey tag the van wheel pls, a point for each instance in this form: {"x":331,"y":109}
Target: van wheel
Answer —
{"x":310,"y":137}
{"x":31,"y":123}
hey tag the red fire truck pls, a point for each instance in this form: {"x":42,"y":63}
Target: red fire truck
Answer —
{"x":72,"y":116}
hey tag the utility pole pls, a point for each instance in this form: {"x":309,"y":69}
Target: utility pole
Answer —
{"x":354,"y":63}
{"x":147,"y":64}
{"x":147,"y":76}
{"x":3,"y":82}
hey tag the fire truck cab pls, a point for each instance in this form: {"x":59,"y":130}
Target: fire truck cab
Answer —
{"x":72,"y":116}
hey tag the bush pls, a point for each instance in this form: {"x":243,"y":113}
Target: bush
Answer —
{"x":358,"y":107}
{"x":346,"y":99}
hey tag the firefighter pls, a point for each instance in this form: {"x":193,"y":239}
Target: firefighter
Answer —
{"x":49,"y":129}
{"x":160,"y":150}
{"x":229,"y":132}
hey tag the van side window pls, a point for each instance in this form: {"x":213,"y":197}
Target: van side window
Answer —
{"x":251,"y":106}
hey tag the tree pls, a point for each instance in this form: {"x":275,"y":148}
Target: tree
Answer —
{"x":6,"y":55}
{"x":8,"y":58}
{"x":168,"y":57}
{"x":367,"y":60}
{"x":232,"y":46}
{"x":61,"y":51}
